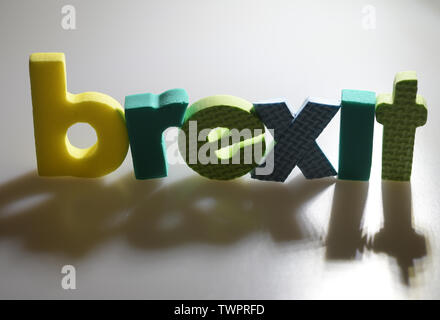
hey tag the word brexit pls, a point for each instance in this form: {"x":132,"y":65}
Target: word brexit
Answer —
{"x":238,"y":125}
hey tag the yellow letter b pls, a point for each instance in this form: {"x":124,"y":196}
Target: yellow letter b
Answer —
{"x":55,"y":110}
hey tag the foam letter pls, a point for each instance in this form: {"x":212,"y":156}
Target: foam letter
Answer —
{"x":55,"y":110}
{"x":356,"y":134}
{"x":400,"y":113}
{"x":148,"y":115}
{"x":220,"y":115}
{"x":295,"y":138}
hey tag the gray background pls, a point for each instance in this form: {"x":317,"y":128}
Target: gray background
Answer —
{"x":188,"y":237}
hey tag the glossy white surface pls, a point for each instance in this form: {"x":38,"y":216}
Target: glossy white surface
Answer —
{"x":187,"y":237}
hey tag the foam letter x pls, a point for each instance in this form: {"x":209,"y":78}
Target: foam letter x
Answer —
{"x":295,"y":137}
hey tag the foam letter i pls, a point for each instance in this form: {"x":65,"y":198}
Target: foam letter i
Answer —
{"x":356,"y":134}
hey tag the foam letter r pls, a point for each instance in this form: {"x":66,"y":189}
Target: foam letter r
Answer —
{"x":148,"y":115}
{"x":55,"y":110}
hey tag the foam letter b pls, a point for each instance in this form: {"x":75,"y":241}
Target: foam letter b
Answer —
{"x":55,"y":110}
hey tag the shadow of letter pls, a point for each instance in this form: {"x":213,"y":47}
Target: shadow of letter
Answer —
{"x":344,"y":238}
{"x":398,"y":238}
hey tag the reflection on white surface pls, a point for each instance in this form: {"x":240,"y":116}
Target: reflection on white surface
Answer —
{"x":235,"y":218}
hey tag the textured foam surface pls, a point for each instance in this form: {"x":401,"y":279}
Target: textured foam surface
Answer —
{"x":147,"y":116}
{"x":225,"y":112}
{"x":400,"y":113}
{"x":295,"y":138}
{"x":55,"y":110}
{"x":356,"y":134}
